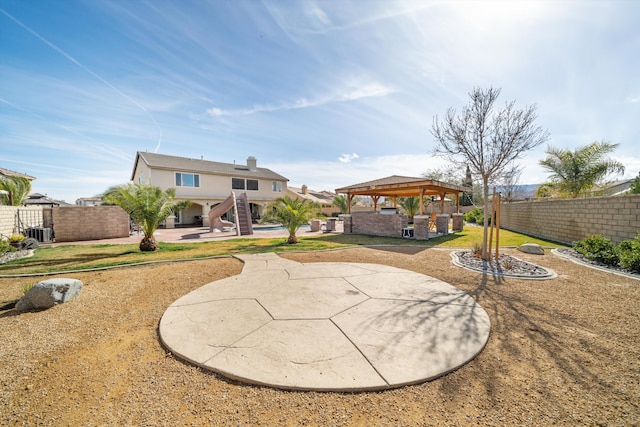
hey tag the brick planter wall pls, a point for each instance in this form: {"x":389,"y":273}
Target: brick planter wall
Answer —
{"x":375,"y":224}
{"x":76,"y":223}
{"x":569,"y":220}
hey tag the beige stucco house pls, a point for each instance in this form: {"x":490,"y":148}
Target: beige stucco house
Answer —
{"x":206,"y":183}
{"x":324,"y":198}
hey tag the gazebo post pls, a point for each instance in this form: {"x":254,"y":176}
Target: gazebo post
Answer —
{"x":457,"y":202}
{"x":421,"y":199}
{"x":442,"y":195}
{"x":349,"y":198}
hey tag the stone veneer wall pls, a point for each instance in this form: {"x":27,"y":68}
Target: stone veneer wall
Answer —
{"x":569,"y":220}
{"x":9,"y":218}
{"x":76,"y":223}
{"x":375,"y":224}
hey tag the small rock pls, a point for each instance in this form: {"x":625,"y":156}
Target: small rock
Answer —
{"x":531,"y":248}
{"x":48,"y":293}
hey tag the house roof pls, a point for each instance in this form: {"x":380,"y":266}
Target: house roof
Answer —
{"x":42,"y":199}
{"x":185,"y":164}
{"x":8,"y":172}
{"x":401,"y":186}
{"x":314,"y":196}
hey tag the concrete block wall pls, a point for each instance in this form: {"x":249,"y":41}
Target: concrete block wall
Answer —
{"x":76,"y":223}
{"x":9,"y":218}
{"x":375,"y":224}
{"x":569,"y":220}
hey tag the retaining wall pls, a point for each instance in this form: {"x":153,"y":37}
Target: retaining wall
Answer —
{"x":569,"y":220}
{"x":75,"y":223}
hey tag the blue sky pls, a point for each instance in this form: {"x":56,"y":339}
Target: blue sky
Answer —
{"x":327,"y":93}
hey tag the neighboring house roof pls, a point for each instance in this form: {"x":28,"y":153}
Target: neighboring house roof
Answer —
{"x":185,"y":164}
{"x":8,"y":172}
{"x":41,"y":199}
{"x":314,"y":196}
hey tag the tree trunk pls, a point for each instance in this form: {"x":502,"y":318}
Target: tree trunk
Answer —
{"x":292,"y":240}
{"x":148,"y":244}
{"x":486,"y":212}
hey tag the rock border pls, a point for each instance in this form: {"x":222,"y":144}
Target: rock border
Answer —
{"x":595,"y":265}
{"x":495,"y":270}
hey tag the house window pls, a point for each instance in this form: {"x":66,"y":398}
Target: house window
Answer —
{"x":237,"y":184}
{"x":252,"y":184}
{"x":242,"y":184}
{"x":187,"y":180}
{"x":276,"y":186}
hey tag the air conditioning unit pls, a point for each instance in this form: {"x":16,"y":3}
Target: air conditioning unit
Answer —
{"x":39,"y":233}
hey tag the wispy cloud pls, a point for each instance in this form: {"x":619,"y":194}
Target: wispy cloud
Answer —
{"x":347,"y":94}
{"x":347,"y":158}
{"x":94,"y":74}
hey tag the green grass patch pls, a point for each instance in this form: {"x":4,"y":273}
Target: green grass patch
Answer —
{"x":78,"y":257}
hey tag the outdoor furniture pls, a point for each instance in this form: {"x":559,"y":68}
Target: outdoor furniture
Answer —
{"x":432,"y":221}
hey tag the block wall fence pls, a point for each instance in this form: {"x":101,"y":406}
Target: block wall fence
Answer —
{"x":76,"y":223}
{"x":569,"y":220}
{"x":9,"y":218}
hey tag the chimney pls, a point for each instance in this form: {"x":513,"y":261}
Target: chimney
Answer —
{"x":304,"y":189}
{"x":251,"y":163}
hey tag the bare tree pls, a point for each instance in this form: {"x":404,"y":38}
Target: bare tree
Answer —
{"x":510,"y":183}
{"x":449,"y":173}
{"x":487,"y":139}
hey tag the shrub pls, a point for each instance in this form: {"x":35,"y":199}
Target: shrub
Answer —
{"x":16,"y":238}
{"x":629,"y":254}
{"x":597,"y":248}
{"x":5,"y":247}
{"x":474,"y":216}
{"x":476,"y":249}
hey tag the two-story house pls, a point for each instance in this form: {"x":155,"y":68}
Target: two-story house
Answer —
{"x":206,"y":183}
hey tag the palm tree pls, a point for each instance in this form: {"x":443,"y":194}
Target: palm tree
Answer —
{"x":147,"y":206}
{"x":17,"y":188}
{"x":342,"y":204}
{"x":576,"y":172}
{"x":635,"y":185}
{"x":291,"y":213}
{"x":411,"y":205}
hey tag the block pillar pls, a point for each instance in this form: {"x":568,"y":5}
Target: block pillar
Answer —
{"x":458,"y":222}
{"x":442,"y":224}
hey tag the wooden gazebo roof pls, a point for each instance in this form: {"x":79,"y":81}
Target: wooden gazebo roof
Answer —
{"x":402,"y":186}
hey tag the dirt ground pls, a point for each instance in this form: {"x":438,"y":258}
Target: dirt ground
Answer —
{"x":561,"y":352}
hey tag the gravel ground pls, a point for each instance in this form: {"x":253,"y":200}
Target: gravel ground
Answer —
{"x":561,"y":352}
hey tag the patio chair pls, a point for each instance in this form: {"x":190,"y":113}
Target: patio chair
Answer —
{"x":432,"y":221}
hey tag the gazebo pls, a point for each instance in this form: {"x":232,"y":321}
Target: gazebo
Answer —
{"x":397,"y":225}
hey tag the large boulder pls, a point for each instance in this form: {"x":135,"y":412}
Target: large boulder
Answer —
{"x":531,"y":248}
{"x":48,"y":293}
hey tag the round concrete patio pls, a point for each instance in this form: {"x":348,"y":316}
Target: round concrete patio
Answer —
{"x":326,"y":326}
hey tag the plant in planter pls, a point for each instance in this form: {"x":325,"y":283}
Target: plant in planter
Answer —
{"x":15,"y":240}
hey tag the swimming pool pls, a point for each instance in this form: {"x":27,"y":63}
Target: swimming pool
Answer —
{"x":275,"y":227}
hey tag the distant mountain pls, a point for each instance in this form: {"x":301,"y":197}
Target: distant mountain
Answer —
{"x":521,"y":191}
